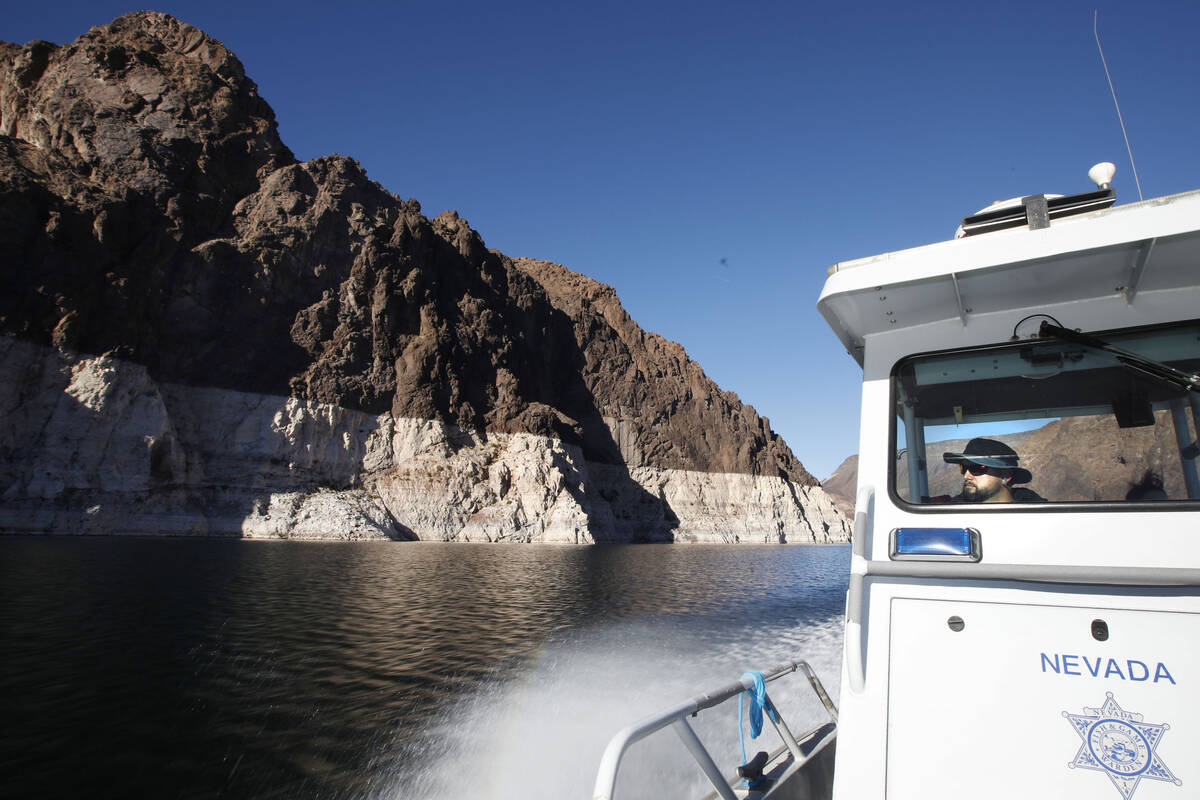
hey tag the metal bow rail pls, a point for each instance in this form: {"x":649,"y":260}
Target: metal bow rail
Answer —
{"x":676,"y":717}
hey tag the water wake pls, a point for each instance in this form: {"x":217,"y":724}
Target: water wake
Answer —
{"x":541,"y":736}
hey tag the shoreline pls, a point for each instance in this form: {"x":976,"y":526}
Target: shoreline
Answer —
{"x":175,"y":537}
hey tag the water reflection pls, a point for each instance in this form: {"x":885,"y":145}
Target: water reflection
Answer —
{"x":200,"y":668}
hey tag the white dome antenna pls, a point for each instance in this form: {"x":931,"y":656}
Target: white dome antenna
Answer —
{"x":1102,"y":173}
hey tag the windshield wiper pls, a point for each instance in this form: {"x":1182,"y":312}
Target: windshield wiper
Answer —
{"x":1147,"y":366}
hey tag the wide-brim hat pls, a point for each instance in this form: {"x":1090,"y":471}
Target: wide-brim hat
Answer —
{"x":991,"y":453}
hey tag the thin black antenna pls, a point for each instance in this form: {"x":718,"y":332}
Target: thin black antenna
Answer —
{"x":1096,"y":32}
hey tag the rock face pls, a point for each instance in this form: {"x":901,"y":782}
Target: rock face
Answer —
{"x":204,"y":336}
{"x":842,"y":485}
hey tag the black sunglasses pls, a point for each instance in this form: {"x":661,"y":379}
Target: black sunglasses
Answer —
{"x":974,"y":469}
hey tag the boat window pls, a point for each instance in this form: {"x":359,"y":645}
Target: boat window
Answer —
{"x":1043,"y":420}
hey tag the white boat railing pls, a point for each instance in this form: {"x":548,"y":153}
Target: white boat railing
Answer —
{"x":676,"y":717}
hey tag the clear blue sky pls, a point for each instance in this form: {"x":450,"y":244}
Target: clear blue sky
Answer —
{"x":710,"y":160}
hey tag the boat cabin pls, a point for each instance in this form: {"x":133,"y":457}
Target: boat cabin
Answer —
{"x":1024,"y":606}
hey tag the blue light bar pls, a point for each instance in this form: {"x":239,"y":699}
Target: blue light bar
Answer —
{"x":935,"y":544}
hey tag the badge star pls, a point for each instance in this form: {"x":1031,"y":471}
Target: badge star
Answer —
{"x":1118,"y":743}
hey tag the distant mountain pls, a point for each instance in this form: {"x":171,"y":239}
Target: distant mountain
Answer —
{"x":159,"y":237}
{"x":842,"y":485}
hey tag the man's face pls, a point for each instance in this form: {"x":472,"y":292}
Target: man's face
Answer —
{"x":982,"y":484}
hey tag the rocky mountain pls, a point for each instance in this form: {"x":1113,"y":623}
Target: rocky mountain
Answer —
{"x":203,"y":335}
{"x":842,"y":485}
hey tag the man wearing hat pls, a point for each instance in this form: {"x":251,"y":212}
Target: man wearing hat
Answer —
{"x":989,"y":469}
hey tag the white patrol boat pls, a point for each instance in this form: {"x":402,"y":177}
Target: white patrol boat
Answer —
{"x":1023,"y":613}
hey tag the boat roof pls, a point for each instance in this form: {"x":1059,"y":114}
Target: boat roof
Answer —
{"x":1145,"y":246}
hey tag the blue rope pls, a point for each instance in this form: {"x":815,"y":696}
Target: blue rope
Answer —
{"x":758,"y":701}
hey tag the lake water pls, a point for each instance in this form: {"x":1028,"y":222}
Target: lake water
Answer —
{"x":201,"y":668}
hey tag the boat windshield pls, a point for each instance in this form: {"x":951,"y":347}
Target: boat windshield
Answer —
{"x":1046,"y":420}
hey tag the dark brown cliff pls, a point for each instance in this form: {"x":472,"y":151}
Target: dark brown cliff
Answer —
{"x":148,"y":209}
